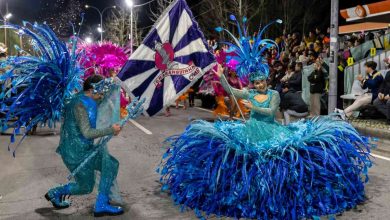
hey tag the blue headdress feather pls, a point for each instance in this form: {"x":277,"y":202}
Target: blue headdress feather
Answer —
{"x":34,"y":88}
{"x":247,"y":54}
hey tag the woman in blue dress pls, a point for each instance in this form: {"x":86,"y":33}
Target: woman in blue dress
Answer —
{"x":261,"y":169}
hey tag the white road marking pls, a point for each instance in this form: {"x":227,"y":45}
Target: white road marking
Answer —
{"x":380,"y":157}
{"x":146,"y":131}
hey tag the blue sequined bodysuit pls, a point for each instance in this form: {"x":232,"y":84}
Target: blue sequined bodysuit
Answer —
{"x":78,"y":132}
{"x":263,"y":170}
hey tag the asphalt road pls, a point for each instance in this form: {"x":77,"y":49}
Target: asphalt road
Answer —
{"x":25,"y":179}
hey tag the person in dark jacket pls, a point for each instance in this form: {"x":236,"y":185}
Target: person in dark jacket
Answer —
{"x":276,"y":77}
{"x":382,"y":103}
{"x":292,"y":92}
{"x":317,"y":86}
{"x":372,"y":81}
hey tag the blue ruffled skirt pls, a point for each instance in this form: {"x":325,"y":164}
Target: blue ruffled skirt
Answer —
{"x":263,"y":170}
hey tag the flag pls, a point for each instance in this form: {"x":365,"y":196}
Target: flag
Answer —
{"x":172,"y":57}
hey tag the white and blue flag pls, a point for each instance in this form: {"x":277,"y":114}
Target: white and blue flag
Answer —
{"x":172,"y":57}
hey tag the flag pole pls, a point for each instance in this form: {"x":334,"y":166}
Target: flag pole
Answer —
{"x":234,"y":97}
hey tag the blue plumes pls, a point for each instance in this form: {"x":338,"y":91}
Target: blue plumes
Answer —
{"x":250,"y":55}
{"x":35,"y":88}
{"x":221,"y":169}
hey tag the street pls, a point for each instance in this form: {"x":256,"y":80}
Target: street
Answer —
{"x":25,"y":179}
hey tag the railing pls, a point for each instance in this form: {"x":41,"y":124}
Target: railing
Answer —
{"x":351,"y":72}
{"x":363,"y":51}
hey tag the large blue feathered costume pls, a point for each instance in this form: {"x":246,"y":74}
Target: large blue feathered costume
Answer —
{"x":34,"y":88}
{"x":261,"y":169}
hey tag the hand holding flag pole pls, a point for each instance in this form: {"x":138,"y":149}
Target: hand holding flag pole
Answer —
{"x":134,"y":110}
{"x":220,"y":74}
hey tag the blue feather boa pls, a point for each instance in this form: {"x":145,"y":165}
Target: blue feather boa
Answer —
{"x":219,"y":168}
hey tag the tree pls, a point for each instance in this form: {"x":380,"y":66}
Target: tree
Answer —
{"x":159,"y":9}
{"x":118,"y":27}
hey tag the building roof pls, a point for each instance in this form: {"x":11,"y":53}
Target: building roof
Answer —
{"x":366,"y":26}
{"x":376,"y":10}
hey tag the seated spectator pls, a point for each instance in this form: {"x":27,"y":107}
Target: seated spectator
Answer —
{"x":288,"y":74}
{"x":310,"y":39}
{"x":317,"y":47}
{"x":317,"y":86}
{"x":382,"y":103}
{"x":291,"y":97}
{"x":372,"y":81}
{"x":276,"y":76}
{"x":312,"y":58}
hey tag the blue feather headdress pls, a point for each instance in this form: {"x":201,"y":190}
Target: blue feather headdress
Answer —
{"x":34,"y":89}
{"x":249,"y":55}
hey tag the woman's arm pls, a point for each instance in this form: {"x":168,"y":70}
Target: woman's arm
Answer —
{"x":85,"y":127}
{"x":241,"y":94}
{"x":273,"y":106}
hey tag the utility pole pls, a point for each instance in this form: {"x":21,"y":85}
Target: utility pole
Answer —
{"x":240,"y":9}
{"x":334,"y":48}
{"x":5,"y":23}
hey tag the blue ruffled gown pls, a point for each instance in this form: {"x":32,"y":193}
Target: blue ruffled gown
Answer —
{"x":263,"y":170}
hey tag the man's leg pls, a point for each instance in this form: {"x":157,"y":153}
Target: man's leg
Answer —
{"x":381,"y":106}
{"x":108,"y":167}
{"x":388,"y":111}
{"x":315,"y":104}
{"x":358,"y":103}
{"x":84,"y":183}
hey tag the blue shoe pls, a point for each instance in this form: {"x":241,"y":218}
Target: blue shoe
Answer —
{"x":57,"y":196}
{"x":102,"y":208}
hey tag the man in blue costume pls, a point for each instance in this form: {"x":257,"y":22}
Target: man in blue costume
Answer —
{"x":78,"y":132}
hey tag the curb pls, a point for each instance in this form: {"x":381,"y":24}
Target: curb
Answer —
{"x":383,"y":136}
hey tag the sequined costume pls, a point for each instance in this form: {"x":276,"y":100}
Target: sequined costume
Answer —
{"x":77,"y":142}
{"x":261,"y":169}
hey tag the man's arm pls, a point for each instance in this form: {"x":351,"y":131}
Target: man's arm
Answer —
{"x":85,"y":127}
{"x":375,"y":82}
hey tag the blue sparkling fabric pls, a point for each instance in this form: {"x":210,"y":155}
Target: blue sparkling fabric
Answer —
{"x":85,"y":122}
{"x":264,"y":170}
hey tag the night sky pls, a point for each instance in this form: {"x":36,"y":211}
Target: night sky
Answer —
{"x":40,"y":10}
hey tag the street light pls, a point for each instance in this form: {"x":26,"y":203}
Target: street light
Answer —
{"x":5,"y":18}
{"x":21,"y":32}
{"x":100,"y":30}
{"x":131,"y":5}
{"x":101,"y":13}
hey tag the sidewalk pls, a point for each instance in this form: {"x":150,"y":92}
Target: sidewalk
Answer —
{"x":372,"y":127}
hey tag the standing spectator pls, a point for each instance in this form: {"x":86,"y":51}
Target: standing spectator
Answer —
{"x":317,"y":86}
{"x":382,"y":103}
{"x":372,"y":81}
{"x":191,"y":96}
